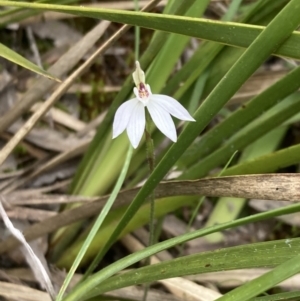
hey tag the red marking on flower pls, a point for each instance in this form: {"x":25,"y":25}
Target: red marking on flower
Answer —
{"x":143,"y":91}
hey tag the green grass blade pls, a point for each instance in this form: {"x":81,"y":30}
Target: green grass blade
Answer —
{"x":282,"y":112}
{"x":263,"y":255}
{"x":263,"y":283}
{"x":173,"y":47}
{"x":80,"y":291}
{"x":15,"y":15}
{"x":268,"y":163}
{"x":287,"y":296}
{"x":232,"y":10}
{"x":212,"y":139}
{"x":14,"y":57}
{"x":192,"y":70}
{"x":221,"y":32}
{"x":97,"y":224}
{"x":203,"y":57}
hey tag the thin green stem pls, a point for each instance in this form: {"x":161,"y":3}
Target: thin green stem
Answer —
{"x":151,"y":164}
{"x":96,"y":227}
{"x":137,"y":34}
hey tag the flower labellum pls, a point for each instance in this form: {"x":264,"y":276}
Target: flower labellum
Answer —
{"x":131,"y":114}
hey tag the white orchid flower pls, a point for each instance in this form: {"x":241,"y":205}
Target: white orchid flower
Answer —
{"x":131,"y":114}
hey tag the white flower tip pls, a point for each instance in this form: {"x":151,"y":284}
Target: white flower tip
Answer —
{"x":134,"y":141}
{"x":115,"y":131}
{"x":135,"y":145}
{"x":174,"y":139}
{"x":137,"y":65}
{"x":187,"y":117}
{"x":138,"y":75}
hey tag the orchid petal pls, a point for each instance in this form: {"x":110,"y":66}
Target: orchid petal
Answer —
{"x":136,"y":124}
{"x":123,"y":116}
{"x":162,"y":120}
{"x":172,"y":106}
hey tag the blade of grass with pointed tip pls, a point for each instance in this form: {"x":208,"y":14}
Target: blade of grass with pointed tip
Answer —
{"x":268,"y":163}
{"x":16,"y":58}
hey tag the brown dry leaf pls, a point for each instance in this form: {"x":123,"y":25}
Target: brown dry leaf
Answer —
{"x":20,"y":292}
{"x":32,"y":150}
{"x":61,"y":186}
{"x":231,"y":279}
{"x":188,"y":290}
{"x":19,"y":198}
{"x":132,"y":292}
{"x":63,"y":118}
{"x":49,"y":139}
{"x":55,"y":162}
{"x":268,"y":186}
{"x":292,"y":219}
{"x":256,"y":84}
{"x":174,"y":226}
{"x":30,"y":214}
{"x":136,"y":293}
{"x":61,"y":33}
{"x":5,"y":79}
{"x":86,"y":88}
